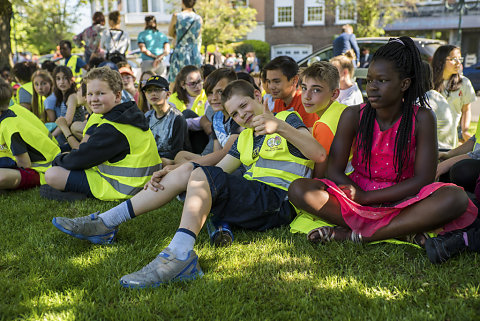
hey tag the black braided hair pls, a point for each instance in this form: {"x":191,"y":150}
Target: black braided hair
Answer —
{"x":405,"y":56}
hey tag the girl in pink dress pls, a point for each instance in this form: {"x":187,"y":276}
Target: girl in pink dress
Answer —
{"x":391,"y":192}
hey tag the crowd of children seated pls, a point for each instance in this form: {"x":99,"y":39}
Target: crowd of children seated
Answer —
{"x":284,"y":147}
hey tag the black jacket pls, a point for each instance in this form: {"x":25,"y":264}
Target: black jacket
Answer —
{"x":106,"y":143}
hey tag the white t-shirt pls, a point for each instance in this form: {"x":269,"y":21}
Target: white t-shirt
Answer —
{"x":446,"y":127}
{"x":350,"y":96}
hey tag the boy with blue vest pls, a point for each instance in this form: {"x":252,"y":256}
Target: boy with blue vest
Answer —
{"x":119,"y":156}
{"x":275,"y":149}
{"x":25,"y":151}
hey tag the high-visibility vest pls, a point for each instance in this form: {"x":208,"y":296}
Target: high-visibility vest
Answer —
{"x":28,"y":87}
{"x":94,"y":119}
{"x":32,"y":136}
{"x":198,"y":104}
{"x":72,"y":64}
{"x":273,"y":164}
{"x":32,"y":120}
{"x":331,"y":116}
{"x":125,"y":178}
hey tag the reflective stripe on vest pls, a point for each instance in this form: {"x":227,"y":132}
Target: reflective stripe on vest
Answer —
{"x":28,"y":87}
{"x":274,"y":164}
{"x":127,"y":171}
{"x":120,"y":187}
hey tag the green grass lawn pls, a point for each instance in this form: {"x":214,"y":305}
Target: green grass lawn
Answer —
{"x":276,"y":275}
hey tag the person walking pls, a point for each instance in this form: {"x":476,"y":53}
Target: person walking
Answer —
{"x":90,"y":37}
{"x":115,"y":41}
{"x":185,"y":27}
{"x":345,"y":42}
{"x":154,"y":46}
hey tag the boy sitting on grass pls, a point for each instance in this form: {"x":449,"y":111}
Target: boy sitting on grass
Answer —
{"x":275,"y":149}
{"x":320,"y":89}
{"x":25,"y":151}
{"x":120,"y":155}
{"x":167,"y":123}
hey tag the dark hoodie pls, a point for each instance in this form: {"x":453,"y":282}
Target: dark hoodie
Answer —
{"x":106,"y":143}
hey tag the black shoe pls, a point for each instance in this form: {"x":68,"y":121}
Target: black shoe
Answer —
{"x":441,"y":248}
{"x":51,"y":193}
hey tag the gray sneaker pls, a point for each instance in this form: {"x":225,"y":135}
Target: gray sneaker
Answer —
{"x":163,"y":269}
{"x":90,"y":228}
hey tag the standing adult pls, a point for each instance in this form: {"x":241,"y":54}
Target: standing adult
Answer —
{"x":345,"y":42}
{"x":154,"y":46}
{"x":185,"y":27}
{"x":114,"y":40}
{"x":90,"y":37}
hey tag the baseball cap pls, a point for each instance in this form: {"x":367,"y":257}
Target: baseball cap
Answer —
{"x":126,"y":70}
{"x":158,"y":81}
{"x":109,"y":64}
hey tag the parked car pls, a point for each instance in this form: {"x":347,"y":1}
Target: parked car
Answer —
{"x":427,"y":48}
{"x":473,"y":73}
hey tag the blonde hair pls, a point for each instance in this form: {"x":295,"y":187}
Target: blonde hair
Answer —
{"x":345,"y":61}
{"x":111,"y":77}
{"x":45,"y":75}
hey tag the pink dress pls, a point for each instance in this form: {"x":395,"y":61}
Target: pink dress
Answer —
{"x":367,"y":219}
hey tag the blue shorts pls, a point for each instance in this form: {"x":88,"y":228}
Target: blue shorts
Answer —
{"x":77,"y":182}
{"x":246,"y":203}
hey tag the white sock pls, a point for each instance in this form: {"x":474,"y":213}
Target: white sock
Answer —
{"x":117,"y":215}
{"x":182,"y":243}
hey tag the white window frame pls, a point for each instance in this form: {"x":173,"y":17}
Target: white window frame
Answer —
{"x":284,"y":3}
{"x":339,"y":21}
{"x":138,"y":6}
{"x":310,"y":4}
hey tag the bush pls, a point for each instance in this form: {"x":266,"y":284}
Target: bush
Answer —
{"x":261,"y":49}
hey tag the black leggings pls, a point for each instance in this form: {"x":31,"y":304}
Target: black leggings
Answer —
{"x":464,"y":174}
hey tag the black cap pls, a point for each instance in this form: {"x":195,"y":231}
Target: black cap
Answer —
{"x":158,"y":81}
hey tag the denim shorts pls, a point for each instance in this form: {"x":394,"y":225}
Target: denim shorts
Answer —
{"x":246,"y":203}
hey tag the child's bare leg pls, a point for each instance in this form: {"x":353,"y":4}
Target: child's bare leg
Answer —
{"x":311,"y":196}
{"x":174,"y":183}
{"x":184,"y":156}
{"x":443,"y":206}
{"x":198,"y":202}
{"x":9,"y":178}
{"x":77,"y":129}
{"x":57,"y":177}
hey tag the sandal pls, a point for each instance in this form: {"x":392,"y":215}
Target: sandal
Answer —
{"x":327,"y":234}
{"x":417,"y":239}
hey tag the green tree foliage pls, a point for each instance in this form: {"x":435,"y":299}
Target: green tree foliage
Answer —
{"x":41,"y":24}
{"x":373,"y":15}
{"x":223,"y":20}
{"x":261,"y":49}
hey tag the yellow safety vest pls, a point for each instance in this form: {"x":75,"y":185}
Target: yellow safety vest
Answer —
{"x":305,"y":222}
{"x":72,"y":64}
{"x":28,"y":87}
{"x":198,"y":104}
{"x":94,"y":119}
{"x":32,"y":120}
{"x":32,"y":136}
{"x":125,"y":178}
{"x":273,"y":164}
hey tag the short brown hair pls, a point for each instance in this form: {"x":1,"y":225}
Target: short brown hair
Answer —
{"x":238,"y":87}
{"x":324,"y":71}
{"x":111,"y":77}
{"x":217,"y":75}
{"x":6,"y":92}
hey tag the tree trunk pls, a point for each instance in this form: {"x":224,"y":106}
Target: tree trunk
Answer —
{"x":5,"y":43}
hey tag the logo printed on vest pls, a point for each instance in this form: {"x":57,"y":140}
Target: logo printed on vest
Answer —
{"x":3,"y":146}
{"x":274,"y":142}
{"x":255,"y":152}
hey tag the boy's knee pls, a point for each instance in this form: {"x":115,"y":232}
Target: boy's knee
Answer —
{"x":198,"y":174}
{"x":54,"y":176}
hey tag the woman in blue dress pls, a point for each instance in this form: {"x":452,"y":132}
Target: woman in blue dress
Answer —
{"x":185,"y":27}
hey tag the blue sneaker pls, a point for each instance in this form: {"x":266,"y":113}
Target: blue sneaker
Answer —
{"x":163,"y":269}
{"x":90,"y":228}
